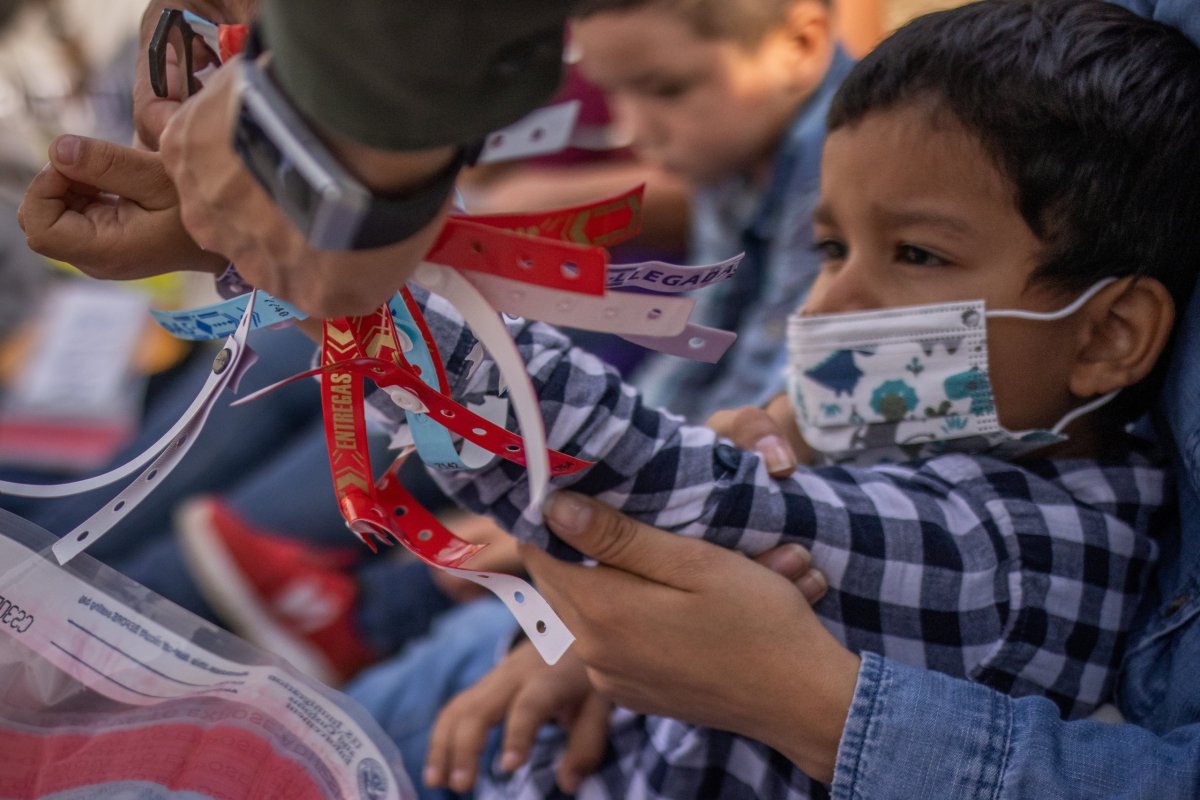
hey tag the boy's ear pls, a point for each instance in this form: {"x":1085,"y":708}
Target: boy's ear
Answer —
{"x":1125,"y":330}
{"x":808,"y":28}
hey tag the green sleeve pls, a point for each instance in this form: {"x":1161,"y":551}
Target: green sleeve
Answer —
{"x":409,"y":74}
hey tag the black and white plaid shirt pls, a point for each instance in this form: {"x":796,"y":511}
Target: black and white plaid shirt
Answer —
{"x":1023,"y":577}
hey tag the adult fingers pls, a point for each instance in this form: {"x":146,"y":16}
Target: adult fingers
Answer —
{"x":133,"y":174}
{"x":51,"y":227}
{"x":587,"y":741}
{"x":794,"y":562}
{"x":618,"y":541}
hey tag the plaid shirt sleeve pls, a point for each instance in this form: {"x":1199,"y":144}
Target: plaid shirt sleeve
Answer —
{"x":1022,"y":577}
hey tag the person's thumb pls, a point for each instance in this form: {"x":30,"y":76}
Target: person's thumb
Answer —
{"x":135,"y":175}
{"x":610,"y":537}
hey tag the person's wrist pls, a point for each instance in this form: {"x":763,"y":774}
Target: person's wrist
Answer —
{"x":813,"y":710}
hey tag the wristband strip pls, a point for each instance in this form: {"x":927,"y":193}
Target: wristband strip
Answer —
{"x":421,"y":398}
{"x":548,"y":633}
{"x":613,"y":312}
{"x":217,"y":380}
{"x":386,"y":511}
{"x":606,"y":223}
{"x":228,"y":368}
{"x":219,"y":320}
{"x":432,"y":441}
{"x":659,"y":276}
{"x":567,"y":267}
{"x":695,"y":342}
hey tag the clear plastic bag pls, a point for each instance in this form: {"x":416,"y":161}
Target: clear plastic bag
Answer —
{"x":110,"y":691}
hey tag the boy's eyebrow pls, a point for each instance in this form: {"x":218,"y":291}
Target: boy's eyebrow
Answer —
{"x":653,"y":80}
{"x":947,"y":222}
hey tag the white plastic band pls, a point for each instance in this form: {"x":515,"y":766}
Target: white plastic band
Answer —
{"x":615,"y":312}
{"x":230,"y":364}
{"x":545,"y":630}
{"x":495,"y":410}
{"x":541,"y":132}
{"x":485,"y":322}
{"x":212,"y":387}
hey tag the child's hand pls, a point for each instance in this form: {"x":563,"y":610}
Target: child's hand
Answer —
{"x":110,"y":211}
{"x":500,"y":555}
{"x":524,"y":693}
{"x":770,"y":431}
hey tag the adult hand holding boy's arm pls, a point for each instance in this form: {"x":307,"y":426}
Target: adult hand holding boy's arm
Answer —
{"x":682,"y":628}
{"x":225,"y":210}
{"x":110,"y":211}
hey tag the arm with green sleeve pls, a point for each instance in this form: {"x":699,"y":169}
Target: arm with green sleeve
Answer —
{"x":408,"y":75}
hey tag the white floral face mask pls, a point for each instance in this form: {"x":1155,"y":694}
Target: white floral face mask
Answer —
{"x":904,"y":383}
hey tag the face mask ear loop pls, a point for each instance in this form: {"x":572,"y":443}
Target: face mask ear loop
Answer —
{"x":1049,"y":316}
{"x":1086,"y":408}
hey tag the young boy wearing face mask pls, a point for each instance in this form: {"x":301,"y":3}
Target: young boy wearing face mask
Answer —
{"x":1001,"y":193}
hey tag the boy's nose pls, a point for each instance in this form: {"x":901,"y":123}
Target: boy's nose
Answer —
{"x":847,"y":287}
{"x":638,"y":122}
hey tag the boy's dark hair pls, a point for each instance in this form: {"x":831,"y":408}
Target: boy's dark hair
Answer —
{"x":1092,"y":113}
{"x":743,"y":21}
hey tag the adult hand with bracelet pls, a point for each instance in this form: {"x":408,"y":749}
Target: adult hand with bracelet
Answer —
{"x":347,"y":138}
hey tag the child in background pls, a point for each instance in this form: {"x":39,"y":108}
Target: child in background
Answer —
{"x":730,"y":96}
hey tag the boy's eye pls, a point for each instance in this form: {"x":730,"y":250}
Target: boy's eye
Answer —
{"x":831,"y":250}
{"x":919,"y":256}
{"x":667,"y":91}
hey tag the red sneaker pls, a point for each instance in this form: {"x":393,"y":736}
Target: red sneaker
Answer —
{"x":287,"y":597}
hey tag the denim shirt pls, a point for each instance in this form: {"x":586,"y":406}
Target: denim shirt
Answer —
{"x":916,"y":733}
{"x":773,"y":227}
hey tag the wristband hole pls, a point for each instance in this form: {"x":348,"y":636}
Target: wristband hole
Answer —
{"x":519,"y":597}
{"x":476,"y":246}
{"x":513,"y":448}
{"x":479,"y":431}
{"x":400,"y":511}
{"x":537,"y":134}
{"x":447,"y":413}
{"x":525,"y":262}
{"x":83,"y":536}
{"x":654,"y":313}
{"x":570,"y":270}
{"x":119,"y":506}
{"x":152,"y":475}
{"x":541,"y":626}
{"x":425,"y":535}
{"x":696,"y":342}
